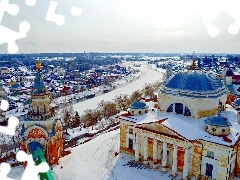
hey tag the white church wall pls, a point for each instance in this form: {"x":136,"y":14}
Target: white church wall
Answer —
{"x":197,"y":106}
{"x":218,"y":156}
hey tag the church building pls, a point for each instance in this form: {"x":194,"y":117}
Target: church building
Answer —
{"x":192,"y":133}
{"x":41,"y":130}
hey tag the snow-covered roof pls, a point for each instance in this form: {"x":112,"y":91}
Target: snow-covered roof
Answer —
{"x":194,"y":81}
{"x":191,"y":129}
{"x":138,"y":105}
{"x":217,"y":121}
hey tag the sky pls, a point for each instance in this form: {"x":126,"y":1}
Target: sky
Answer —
{"x":156,"y":26}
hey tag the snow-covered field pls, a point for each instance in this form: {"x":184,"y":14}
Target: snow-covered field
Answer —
{"x":149,"y":75}
{"x":96,"y":160}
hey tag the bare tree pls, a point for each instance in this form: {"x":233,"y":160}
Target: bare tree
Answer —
{"x":136,"y":95}
{"x":109,"y":109}
{"x":122,"y":102}
{"x":148,"y":90}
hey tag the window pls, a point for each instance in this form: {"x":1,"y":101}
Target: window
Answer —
{"x":206,"y":127}
{"x":170,"y":108}
{"x":187,"y":112}
{"x":130,"y":131}
{"x":179,"y":108}
{"x":210,"y":154}
{"x":223,"y":130}
{"x":139,"y":112}
{"x":209,"y":168}
{"x":130,"y":143}
{"x":44,"y":107}
{"x":213,"y":129}
{"x":37,"y":109}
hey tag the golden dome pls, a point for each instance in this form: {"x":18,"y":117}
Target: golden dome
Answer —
{"x":38,"y":65}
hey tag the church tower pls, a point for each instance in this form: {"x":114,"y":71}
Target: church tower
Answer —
{"x":41,"y":129}
{"x":40,"y":97}
{"x":229,"y":75}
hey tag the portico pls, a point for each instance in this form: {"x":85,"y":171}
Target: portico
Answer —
{"x":169,"y":155}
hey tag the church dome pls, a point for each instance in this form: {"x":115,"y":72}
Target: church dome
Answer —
{"x":138,"y":108}
{"x":217,"y":126}
{"x":217,"y":121}
{"x":138,"y":105}
{"x":229,"y":72}
{"x":236,"y":102}
{"x":193,"y":81}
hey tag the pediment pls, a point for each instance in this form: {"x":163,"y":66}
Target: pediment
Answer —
{"x":159,"y":128}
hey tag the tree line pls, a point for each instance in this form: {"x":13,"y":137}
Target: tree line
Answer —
{"x":105,"y":109}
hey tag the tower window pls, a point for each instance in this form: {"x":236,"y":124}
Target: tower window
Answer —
{"x":210,"y":154}
{"x":130,"y":143}
{"x":213,"y":129}
{"x":37,"y":109}
{"x":223,"y":130}
{"x":130,"y":131}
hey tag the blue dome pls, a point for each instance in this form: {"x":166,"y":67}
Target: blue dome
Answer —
{"x":217,"y":121}
{"x":229,"y":72}
{"x":193,"y":81}
{"x":237,"y":102}
{"x":138,"y":105}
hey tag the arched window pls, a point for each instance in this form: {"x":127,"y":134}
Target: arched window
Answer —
{"x":187,"y":112}
{"x":179,"y":108}
{"x":170,"y":108}
{"x":44,"y":107}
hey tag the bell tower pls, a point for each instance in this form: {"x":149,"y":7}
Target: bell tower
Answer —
{"x":40,"y":97}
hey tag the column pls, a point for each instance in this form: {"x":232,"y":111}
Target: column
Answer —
{"x":154,"y":154}
{"x":145,"y":149}
{"x":174,"y":164}
{"x":164,"y":157}
{"x":137,"y":147}
{"x":186,"y":164}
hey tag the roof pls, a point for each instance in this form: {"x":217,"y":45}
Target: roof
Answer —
{"x":217,"y":121}
{"x":138,"y":105}
{"x":229,"y":72}
{"x":187,"y":127}
{"x":237,"y":102}
{"x":194,"y":81}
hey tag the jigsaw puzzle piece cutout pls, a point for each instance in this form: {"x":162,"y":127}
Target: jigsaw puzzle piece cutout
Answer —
{"x":12,"y":124}
{"x":51,"y":16}
{"x":76,"y":11}
{"x":31,"y":171}
{"x":6,"y":7}
{"x":9,"y":36}
{"x":4,"y":170}
{"x":4,"y":105}
{"x":231,"y":7}
{"x":213,"y":8}
{"x":30,"y":2}
{"x":210,"y":11}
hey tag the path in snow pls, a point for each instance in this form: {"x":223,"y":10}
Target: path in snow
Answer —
{"x":96,"y":160}
{"x":148,"y":76}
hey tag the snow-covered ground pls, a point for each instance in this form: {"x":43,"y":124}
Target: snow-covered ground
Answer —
{"x":149,"y":75}
{"x":96,"y":160}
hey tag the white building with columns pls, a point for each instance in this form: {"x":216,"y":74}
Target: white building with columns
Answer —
{"x":192,"y":133}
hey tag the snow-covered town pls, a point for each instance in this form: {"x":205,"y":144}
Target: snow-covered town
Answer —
{"x":166,"y":118}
